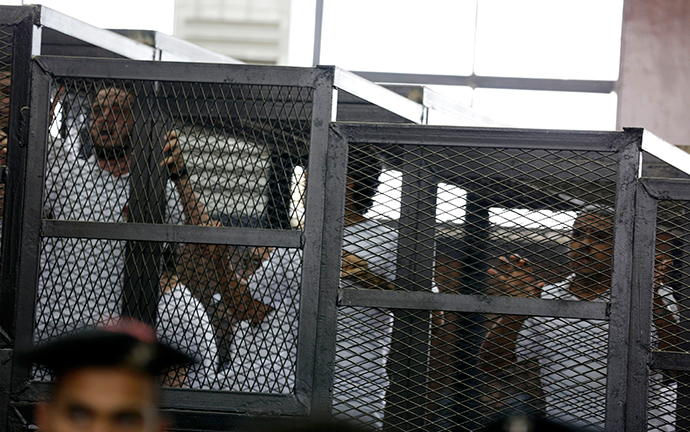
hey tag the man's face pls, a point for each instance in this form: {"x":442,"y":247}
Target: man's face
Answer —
{"x":112,"y":120}
{"x":591,"y":247}
{"x":101,"y":399}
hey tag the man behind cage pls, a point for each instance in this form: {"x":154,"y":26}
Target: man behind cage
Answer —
{"x":557,"y":364}
{"x":80,"y":283}
{"x":265,"y":348}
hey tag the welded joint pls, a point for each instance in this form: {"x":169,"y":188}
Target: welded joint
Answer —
{"x":30,"y":12}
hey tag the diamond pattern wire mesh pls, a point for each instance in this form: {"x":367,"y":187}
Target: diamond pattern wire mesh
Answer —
{"x":118,"y":152}
{"x":668,"y":390}
{"x":479,"y":221}
{"x":6,"y":38}
{"x":240,"y":145}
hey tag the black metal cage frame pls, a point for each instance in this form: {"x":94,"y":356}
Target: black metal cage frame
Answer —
{"x":25,"y":188}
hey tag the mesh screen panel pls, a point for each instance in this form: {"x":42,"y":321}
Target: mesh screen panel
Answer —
{"x":467,"y":221}
{"x":670,"y":316}
{"x":225,"y":155}
{"x":240,"y":144}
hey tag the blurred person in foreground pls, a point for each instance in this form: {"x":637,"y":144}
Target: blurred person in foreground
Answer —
{"x":106,"y":379}
{"x":557,"y":366}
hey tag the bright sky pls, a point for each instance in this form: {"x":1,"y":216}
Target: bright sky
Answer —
{"x":561,"y":39}
{"x":121,"y":14}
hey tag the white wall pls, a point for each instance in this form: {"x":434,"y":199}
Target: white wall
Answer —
{"x":254,"y":31}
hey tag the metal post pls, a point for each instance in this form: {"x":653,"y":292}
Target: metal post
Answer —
{"x":621,"y":283}
{"x":147,"y":203}
{"x":316,"y":213}
{"x":22,"y":45}
{"x":332,"y":241}
{"x":409,"y":356}
{"x":282,"y":164}
{"x":469,"y":326}
{"x":318,"y":27}
{"x":32,"y":174}
{"x":22,"y":217}
{"x":641,"y":310}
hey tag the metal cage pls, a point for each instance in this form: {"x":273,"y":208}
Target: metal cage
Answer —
{"x":376,"y":272}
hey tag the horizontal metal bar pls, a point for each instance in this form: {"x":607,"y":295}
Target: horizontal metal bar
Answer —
{"x":13,"y":15}
{"x":176,"y":49}
{"x":667,"y":189}
{"x":232,"y":402}
{"x":473,"y":304}
{"x":464,"y":114}
{"x":176,"y":71}
{"x":662,"y":360}
{"x":105,"y":39}
{"x":403,"y":134}
{"x":189,"y":420}
{"x":668,"y":153}
{"x":203,"y":400}
{"x":475,"y":81}
{"x":384,"y":98}
{"x":172,"y":233}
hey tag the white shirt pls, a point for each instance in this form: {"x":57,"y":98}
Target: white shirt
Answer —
{"x":572,"y":354}
{"x":265,"y":355}
{"x":81,"y":279}
{"x":183,"y":324}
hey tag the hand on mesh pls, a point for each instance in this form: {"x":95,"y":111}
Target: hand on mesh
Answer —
{"x":352,"y":265}
{"x":357,"y":269}
{"x":514,"y":277}
{"x":174,"y":160}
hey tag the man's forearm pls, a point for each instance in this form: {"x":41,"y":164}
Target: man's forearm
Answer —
{"x":194,"y":210}
{"x":370,"y":280}
{"x":498,"y":349}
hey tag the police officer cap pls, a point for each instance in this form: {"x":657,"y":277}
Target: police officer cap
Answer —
{"x":129,"y":344}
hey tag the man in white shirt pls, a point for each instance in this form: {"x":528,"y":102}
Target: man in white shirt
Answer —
{"x":81,"y":279}
{"x":557,"y":364}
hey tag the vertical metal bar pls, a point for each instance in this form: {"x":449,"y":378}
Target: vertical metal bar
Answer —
{"x":282,"y":164}
{"x":17,"y":147}
{"x":318,"y":28}
{"x":22,"y":217}
{"x":641,"y":310}
{"x":322,"y":115}
{"x":141,"y":285}
{"x":32,"y":173}
{"x":469,"y":326}
{"x":408,"y":359}
{"x":332,"y":240}
{"x":621,"y":283}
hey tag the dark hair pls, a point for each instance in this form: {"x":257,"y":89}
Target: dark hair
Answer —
{"x":363,"y":168}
